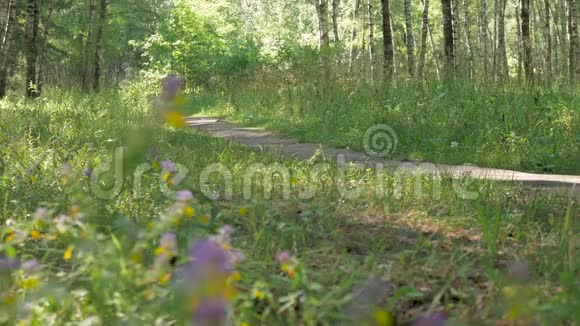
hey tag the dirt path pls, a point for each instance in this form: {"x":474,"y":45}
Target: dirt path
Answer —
{"x":261,"y":140}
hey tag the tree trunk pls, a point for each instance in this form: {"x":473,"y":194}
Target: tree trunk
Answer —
{"x":335,"y":7}
{"x":387,"y":40}
{"x":424,"y":30}
{"x":519,"y":41}
{"x":548,"y":40}
{"x":468,"y":41}
{"x":371,"y":38}
{"x":43,"y":49}
{"x":456,"y":31}
{"x":484,"y":39}
{"x":86,"y":62}
{"x":409,"y":39}
{"x":7,"y":43}
{"x":574,"y":53}
{"x":4,"y":16}
{"x":556,"y":37}
{"x":448,"y":36}
{"x":99,"y":46}
{"x":527,"y":41}
{"x":352,"y":51}
{"x":32,"y":18}
{"x":322,"y":12}
{"x":501,"y":52}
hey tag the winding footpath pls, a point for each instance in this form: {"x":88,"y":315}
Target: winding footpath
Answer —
{"x":261,"y":140}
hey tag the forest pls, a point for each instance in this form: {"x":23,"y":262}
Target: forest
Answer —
{"x":289,"y":162}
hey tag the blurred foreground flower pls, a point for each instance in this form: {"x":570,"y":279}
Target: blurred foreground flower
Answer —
{"x":210,"y":278}
{"x":436,"y":319}
{"x":287,"y":263}
{"x":369,"y":304}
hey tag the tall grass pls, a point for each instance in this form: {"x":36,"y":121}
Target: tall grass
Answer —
{"x":512,"y":126}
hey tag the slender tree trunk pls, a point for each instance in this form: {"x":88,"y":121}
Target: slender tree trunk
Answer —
{"x":468,"y":41}
{"x":86,"y":62}
{"x":352,"y":51}
{"x":322,"y":12}
{"x":99,"y":46}
{"x":7,"y":44}
{"x":494,"y":39}
{"x":548,"y":40}
{"x":557,"y":41}
{"x":448,"y":36}
{"x":409,"y":39}
{"x":574,"y":53}
{"x":435,"y":52}
{"x":519,"y":41}
{"x":527,"y":41}
{"x":424,"y":30}
{"x":387,"y":40}
{"x":501,"y":52}
{"x":43,"y":50}
{"x":371,"y":38}
{"x":335,"y":8}
{"x":484,"y":39}
{"x":456,"y":32}
{"x":32,"y":18}
{"x":4,"y":16}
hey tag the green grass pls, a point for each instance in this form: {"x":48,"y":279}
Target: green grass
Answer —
{"x":435,"y":254}
{"x":515,"y":127}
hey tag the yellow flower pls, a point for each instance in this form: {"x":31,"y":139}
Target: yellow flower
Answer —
{"x":291,"y":271}
{"x":155,"y":165}
{"x":189,"y":212}
{"x":136,"y":257}
{"x":149,"y":225}
{"x":175,"y":119}
{"x":258,"y":294}
{"x":384,"y":318}
{"x":68,"y":253}
{"x":74,"y":211}
{"x":9,"y":236}
{"x":30,"y":283}
{"x":165,"y":279}
{"x":35,"y":235}
{"x":294,"y":181}
{"x":236,"y":276}
{"x":243,"y":211}
{"x":244,"y":324}
{"x":159,"y":251}
{"x":204,"y":219}
{"x":32,"y":178}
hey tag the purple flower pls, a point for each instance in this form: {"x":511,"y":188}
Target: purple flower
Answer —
{"x":65,"y":170}
{"x":208,"y":257}
{"x":519,"y":271}
{"x":210,"y":313}
{"x":31,"y":265}
{"x":436,"y":319}
{"x":8,"y":264}
{"x":168,"y":166}
{"x":171,"y":85}
{"x":87,"y":172}
{"x":169,"y":241}
{"x":184,"y":195}
{"x":283,"y":256}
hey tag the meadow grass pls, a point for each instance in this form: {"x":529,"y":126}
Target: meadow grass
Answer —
{"x":515,"y":127}
{"x":507,"y":256}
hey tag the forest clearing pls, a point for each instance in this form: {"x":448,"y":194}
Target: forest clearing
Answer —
{"x":312,"y":162}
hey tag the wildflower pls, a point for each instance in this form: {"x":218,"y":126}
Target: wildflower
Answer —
{"x":287,"y":263}
{"x":31,"y":265}
{"x":40,"y":214}
{"x":184,"y":196}
{"x":383,"y":317}
{"x":189,"y":212}
{"x":368,"y":303}
{"x":436,"y":319}
{"x":8,"y":264}
{"x":210,"y":312}
{"x":208,"y":257}
{"x":519,"y":271}
{"x":65,"y":172}
{"x":204,"y":219}
{"x":34,"y":234}
{"x":243,"y":211}
{"x":165,"y":279}
{"x":175,"y":119}
{"x":257,"y":294}
{"x":68,"y":253}
{"x":88,"y":172}
{"x":171,"y":85}
{"x":31,"y":283}
{"x":168,"y":166}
